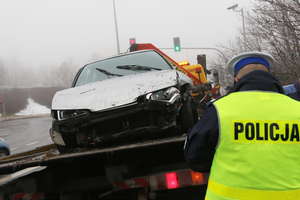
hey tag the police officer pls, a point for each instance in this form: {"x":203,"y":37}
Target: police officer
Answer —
{"x":249,"y":139}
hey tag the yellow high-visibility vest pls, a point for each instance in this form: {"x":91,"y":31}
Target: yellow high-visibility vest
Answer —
{"x":258,"y":153}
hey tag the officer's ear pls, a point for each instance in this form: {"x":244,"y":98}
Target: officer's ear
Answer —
{"x":236,"y":78}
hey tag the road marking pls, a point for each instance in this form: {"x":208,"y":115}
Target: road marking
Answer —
{"x":12,"y":149}
{"x":32,"y":143}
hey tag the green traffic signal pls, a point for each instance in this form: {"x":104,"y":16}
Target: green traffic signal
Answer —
{"x":177,"y":48}
{"x":176,"y":43}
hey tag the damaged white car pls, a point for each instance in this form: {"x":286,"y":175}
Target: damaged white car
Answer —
{"x":122,"y":99}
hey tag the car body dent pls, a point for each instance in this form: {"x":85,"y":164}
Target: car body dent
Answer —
{"x":115,"y":92}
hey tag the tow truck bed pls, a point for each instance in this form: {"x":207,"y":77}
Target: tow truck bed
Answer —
{"x":46,"y":155}
{"x":45,"y":173}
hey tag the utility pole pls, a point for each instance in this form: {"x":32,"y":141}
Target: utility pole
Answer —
{"x":3,"y":110}
{"x":244,"y":30}
{"x":116,"y":27}
{"x":2,"y":102}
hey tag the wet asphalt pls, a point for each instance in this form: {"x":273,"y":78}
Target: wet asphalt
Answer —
{"x":26,"y":134}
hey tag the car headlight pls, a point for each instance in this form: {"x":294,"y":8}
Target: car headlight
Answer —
{"x":169,"y":95}
{"x":68,"y":114}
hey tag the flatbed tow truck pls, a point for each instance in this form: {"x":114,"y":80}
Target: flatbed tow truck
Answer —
{"x":153,"y":169}
{"x":150,"y":169}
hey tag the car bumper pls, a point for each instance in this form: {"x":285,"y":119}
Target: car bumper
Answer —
{"x":123,"y":125}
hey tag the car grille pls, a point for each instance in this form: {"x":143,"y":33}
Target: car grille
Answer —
{"x":123,"y":123}
{"x":126,"y":123}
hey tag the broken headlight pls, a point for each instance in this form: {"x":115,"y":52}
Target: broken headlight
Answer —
{"x":169,"y":95}
{"x":68,"y":114}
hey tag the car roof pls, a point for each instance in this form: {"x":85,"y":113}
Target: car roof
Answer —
{"x":123,"y":54}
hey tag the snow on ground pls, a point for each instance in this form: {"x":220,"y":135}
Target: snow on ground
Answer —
{"x":33,"y":108}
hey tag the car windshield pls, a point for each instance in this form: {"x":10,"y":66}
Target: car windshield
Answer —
{"x":140,"y":62}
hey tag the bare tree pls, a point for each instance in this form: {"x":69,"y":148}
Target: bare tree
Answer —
{"x":233,"y":47}
{"x":275,"y":24}
{"x":65,"y":73}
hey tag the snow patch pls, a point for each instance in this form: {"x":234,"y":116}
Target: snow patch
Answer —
{"x":33,"y":108}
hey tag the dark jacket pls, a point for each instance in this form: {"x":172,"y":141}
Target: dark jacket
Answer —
{"x":296,"y":95}
{"x":201,"y":141}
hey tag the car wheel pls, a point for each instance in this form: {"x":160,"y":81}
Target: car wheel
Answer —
{"x":3,"y":152}
{"x":188,"y":114}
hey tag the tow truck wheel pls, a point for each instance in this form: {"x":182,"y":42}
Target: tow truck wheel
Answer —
{"x":188,"y":115}
{"x":63,"y":149}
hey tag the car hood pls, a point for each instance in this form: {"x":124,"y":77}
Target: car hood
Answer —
{"x":114,"y":92}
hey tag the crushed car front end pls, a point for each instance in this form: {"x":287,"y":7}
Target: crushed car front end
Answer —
{"x":122,"y":99}
{"x":153,"y":112}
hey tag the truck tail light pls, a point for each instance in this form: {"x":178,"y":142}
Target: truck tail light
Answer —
{"x":164,"y":181}
{"x":197,"y":178}
{"x":172,"y":180}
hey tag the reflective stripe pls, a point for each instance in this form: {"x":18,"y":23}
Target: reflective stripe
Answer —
{"x":252,"y":194}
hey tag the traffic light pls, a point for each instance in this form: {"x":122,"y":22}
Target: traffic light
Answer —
{"x":131,"y":41}
{"x":176,"y":41}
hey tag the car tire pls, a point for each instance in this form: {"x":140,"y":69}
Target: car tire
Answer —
{"x":3,"y":152}
{"x":188,"y":114}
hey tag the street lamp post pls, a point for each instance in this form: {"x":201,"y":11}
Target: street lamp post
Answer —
{"x":243,"y":22}
{"x":116,"y":27}
{"x":2,"y":102}
{"x":241,"y":10}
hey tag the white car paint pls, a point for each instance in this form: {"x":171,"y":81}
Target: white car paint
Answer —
{"x":114,"y":92}
{"x":182,"y":78}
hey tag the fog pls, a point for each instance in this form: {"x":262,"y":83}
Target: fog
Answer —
{"x":42,"y":34}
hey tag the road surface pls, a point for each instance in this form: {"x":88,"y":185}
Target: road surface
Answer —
{"x":26,"y":134}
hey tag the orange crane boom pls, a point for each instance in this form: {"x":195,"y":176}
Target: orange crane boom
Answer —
{"x":145,"y":46}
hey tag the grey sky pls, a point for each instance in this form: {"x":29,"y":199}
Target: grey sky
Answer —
{"x":50,"y":31}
